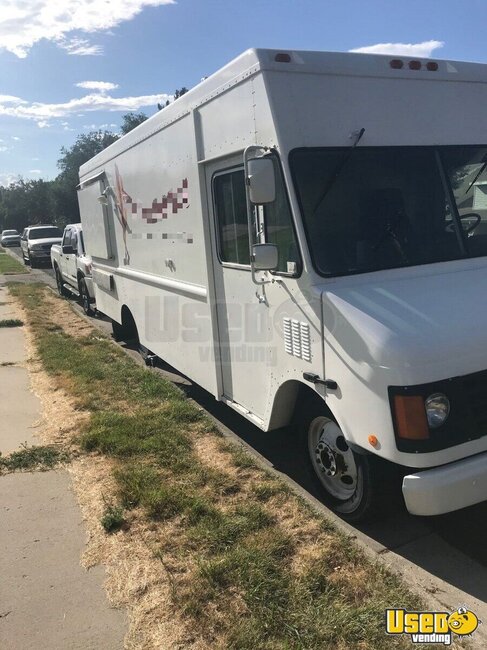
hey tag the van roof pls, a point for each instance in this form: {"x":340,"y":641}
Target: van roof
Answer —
{"x":253,"y":61}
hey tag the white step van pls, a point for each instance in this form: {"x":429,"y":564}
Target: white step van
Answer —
{"x":304,"y":234}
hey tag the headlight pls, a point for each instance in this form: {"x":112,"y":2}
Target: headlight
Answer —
{"x":437,"y":409}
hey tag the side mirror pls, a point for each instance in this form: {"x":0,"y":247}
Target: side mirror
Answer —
{"x":68,"y":250}
{"x":265,"y":257}
{"x":261,"y":180}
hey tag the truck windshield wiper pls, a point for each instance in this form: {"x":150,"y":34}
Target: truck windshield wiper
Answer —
{"x":480,"y":172}
{"x":338,"y":171}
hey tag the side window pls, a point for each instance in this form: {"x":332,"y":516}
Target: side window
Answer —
{"x":279,"y":228}
{"x":67,"y":237}
{"x":231,"y":214}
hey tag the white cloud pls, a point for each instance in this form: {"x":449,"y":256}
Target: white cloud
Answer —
{"x":35,"y":171}
{"x":42,"y":113}
{"x":7,"y":178}
{"x":102,"y":86}
{"x":3,"y":148}
{"x":80,"y":47}
{"x":423,"y":49}
{"x":15,"y":137}
{"x":11,"y":99}
{"x":25,"y":22}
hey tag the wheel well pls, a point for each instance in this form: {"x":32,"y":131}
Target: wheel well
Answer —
{"x":291,"y":398}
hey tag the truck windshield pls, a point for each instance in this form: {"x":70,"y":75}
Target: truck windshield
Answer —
{"x":391,"y":207}
{"x":45,"y":233}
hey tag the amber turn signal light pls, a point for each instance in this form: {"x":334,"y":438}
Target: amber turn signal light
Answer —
{"x":411,"y":422}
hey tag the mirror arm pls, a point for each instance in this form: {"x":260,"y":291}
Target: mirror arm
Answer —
{"x":249,"y":152}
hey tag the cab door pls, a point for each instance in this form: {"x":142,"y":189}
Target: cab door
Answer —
{"x":249,"y":346}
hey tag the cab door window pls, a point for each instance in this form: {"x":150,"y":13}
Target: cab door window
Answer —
{"x":271,"y":223}
{"x":231,"y":213}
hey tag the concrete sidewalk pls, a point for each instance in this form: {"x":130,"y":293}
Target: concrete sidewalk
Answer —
{"x":46,"y":598}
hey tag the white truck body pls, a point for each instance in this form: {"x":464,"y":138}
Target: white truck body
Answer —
{"x":70,"y":260}
{"x":156,"y":208}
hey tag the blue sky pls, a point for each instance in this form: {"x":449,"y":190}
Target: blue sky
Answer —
{"x":139,"y":51}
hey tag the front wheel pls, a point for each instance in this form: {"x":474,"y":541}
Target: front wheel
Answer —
{"x":355,"y":486}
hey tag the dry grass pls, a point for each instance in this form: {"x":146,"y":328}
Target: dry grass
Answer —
{"x":214,"y":552}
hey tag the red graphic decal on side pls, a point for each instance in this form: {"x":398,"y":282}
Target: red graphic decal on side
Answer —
{"x":170,"y":203}
{"x":122,"y":198}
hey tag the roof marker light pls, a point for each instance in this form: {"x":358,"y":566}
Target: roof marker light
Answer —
{"x":415,"y":65}
{"x":432,"y":65}
{"x":282,"y":57}
{"x":397,"y":64}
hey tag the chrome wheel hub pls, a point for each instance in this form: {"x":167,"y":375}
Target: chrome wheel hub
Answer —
{"x":332,"y":458}
{"x":326,"y":458}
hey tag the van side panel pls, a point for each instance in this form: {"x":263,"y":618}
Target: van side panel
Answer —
{"x":159,"y":268}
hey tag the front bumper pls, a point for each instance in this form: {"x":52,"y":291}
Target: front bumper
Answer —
{"x":40,"y":254}
{"x":446,"y":488}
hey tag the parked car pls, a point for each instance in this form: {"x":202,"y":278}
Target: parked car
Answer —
{"x":72,"y":267}
{"x":36,"y":242}
{"x":10,"y":238}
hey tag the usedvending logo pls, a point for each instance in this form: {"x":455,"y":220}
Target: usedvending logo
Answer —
{"x":431,"y":627}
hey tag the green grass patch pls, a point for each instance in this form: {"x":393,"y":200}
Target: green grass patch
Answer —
{"x":113,"y":519}
{"x":247,"y":586}
{"x":43,"y":457}
{"x":10,"y":266}
{"x":11,"y":322}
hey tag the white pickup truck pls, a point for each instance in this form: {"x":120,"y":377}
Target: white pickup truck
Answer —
{"x":72,"y":267}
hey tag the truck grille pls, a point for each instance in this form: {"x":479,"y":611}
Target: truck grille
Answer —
{"x":475,"y":392}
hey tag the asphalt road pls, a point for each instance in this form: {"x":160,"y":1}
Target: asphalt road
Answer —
{"x":445,"y":556}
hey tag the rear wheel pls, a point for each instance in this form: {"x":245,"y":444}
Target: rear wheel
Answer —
{"x":355,"y":486}
{"x":127,"y":331}
{"x":84,"y":297}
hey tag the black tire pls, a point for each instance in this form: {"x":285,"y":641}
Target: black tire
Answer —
{"x":127,"y":331}
{"x":26,"y":259}
{"x":32,"y":262}
{"x":84,"y":297}
{"x":60,"y":285}
{"x":356,"y":486}
{"x":117,"y":331}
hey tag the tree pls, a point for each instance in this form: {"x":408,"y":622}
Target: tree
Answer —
{"x":179,"y":92}
{"x":26,"y":202}
{"x":86,"y":146}
{"x":131,"y":120}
